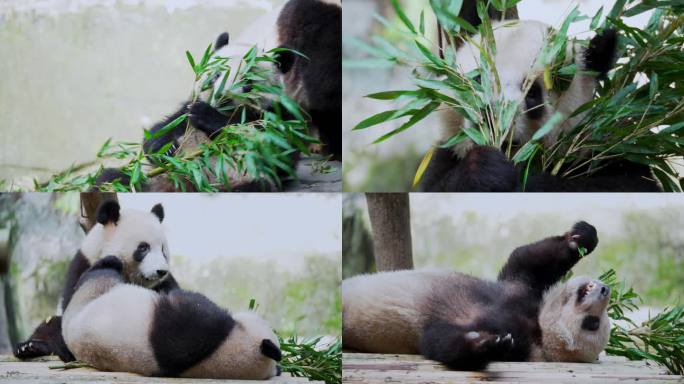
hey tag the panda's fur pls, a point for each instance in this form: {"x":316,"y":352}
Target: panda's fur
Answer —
{"x":116,"y":326}
{"x":467,"y":167}
{"x":312,"y":28}
{"x":136,"y":237}
{"x":465,"y":322}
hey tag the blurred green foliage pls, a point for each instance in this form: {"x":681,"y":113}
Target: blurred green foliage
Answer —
{"x":384,"y":174}
{"x":305,"y":302}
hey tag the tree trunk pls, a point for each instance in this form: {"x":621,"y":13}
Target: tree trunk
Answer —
{"x":391,"y":224}
{"x":89,"y":203}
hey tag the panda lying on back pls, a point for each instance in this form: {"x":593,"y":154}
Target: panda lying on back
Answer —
{"x":312,"y":28}
{"x":137,"y":238}
{"x":115,"y":326}
{"x":466,"y":322}
{"x":467,"y":167}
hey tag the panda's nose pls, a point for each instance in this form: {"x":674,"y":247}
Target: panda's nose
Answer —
{"x":162,"y":272}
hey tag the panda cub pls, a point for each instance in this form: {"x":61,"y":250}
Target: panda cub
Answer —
{"x":464,"y":322}
{"x":312,"y":28}
{"x":116,"y":326}
{"x":467,"y":167}
{"x":137,"y":238}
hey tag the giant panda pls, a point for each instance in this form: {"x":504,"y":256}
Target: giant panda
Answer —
{"x":137,"y":238}
{"x":464,"y":322}
{"x":467,"y":167}
{"x":116,"y":326}
{"x":309,"y":70}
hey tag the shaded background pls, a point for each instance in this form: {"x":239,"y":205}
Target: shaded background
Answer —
{"x":391,"y":165}
{"x":283,"y":250}
{"x":641,"y":236}
{"x":76,"y":72}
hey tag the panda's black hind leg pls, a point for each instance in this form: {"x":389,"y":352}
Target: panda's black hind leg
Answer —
{"x":463,"y":349}
{"x":31,"y":348}
{"x":46,"y":340}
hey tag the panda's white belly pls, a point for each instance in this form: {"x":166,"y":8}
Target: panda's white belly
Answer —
{"x":111,"y":332}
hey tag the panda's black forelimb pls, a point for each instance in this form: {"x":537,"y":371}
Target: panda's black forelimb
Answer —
{"x":483,"y":169}
{"x":486,"y":169}
{"x":109,"y":266}
{"x":601,"y":53}
{"x":158,"y":140}
{"x":207,"y":118}
{"x":617,"y":176}
{"x":543,"y":263}
{"x":463,"y":349}
{"x":78,"y":265}
{"x":108,"y":262}
{"x":110,"y":175}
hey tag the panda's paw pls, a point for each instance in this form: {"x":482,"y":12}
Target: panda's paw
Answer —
{"x":582,"y":235}
{"x":206,"y":118}
{"x":487,"y":169}
{"x":31,"y":349}
{"x":489,"y":343}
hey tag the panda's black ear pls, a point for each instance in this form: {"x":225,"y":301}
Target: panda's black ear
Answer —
{"x":221,"y":41}
{"x":158,"y":211}
{"x":285,"y":59}
{"x":469,"y":13}
{"x":108,"y":212}
{"x":600,"y":55}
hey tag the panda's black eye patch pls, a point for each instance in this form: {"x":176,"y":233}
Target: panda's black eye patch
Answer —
{"x":534,"y":100}
{"x":591,"y":323}
{"x":141,"y":251}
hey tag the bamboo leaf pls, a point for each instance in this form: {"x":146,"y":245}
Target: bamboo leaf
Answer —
{"x":423,"y":166}
{"x":191,"y":60}
{"x":552,"y":122}
{"x":595,"y":20}
{"x":418,"y":116}
{"x":402,"y":16}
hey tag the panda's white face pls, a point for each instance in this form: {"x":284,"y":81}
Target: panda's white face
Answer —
{"x":138,"y":238}
{"x":574,"y":321}
{"x":518,"y":45}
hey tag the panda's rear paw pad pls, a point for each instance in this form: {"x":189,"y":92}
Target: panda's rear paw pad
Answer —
{"x":31,"y":349}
